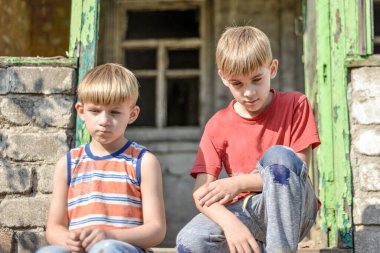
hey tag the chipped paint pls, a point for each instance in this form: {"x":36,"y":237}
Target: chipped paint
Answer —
{"x":336,"y":34}
{"x":83,"y":41}
{"x":338,"y":21}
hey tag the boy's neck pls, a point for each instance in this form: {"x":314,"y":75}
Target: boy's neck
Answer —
{"x":99,"y":149}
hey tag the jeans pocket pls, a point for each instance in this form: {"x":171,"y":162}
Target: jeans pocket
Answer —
{"x":305,"y":228}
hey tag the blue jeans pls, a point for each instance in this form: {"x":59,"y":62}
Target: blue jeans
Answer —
{"x":104,"y":246}
{"x":278,"y":218}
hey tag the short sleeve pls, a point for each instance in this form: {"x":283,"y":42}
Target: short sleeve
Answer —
{"x":304,"y":130}
{"x":208,"y":159}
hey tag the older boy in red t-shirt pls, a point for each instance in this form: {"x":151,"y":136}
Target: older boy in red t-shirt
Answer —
{"x":263,"y":139}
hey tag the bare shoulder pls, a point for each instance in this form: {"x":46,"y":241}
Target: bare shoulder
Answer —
{"x":150,"y":169}
{"x":150,"y":162}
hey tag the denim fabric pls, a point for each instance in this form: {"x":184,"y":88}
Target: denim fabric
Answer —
{"x":104,"y":246}
{"x":278,"y":218}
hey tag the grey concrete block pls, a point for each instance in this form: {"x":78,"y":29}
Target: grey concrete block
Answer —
{"x":366,"y":209}
{"x":45,"y":80}
{"x":366,"y":110}
{"x":45,"y":175}
{"x":30,"y":241}
{"x":24,"y":212}
{"x":365,"y":82}
{"x":54,"y":111}
{"x":367,"y":239}
{"x":4,"y":81}
{"x":367,"y":142}
{"x":15,"y":178}
{"x":369,"y":176}
{"x":38,"y":146}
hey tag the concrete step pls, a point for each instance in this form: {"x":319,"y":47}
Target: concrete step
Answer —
{"x":328,"y":250}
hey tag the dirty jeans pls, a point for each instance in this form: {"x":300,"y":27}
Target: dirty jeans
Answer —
{"x":278,"y":218}
{"x":104,"y":246}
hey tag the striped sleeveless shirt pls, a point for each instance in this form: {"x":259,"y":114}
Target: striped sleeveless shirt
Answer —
{"x":104,"y":192}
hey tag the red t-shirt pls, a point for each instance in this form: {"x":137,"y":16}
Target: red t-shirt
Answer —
{"x":238,"y":143}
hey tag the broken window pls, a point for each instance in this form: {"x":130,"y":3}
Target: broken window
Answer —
{"x":165,"y":44}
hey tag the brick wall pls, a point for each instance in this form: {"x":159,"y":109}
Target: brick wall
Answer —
{"x":364,"y":100}
{"x":36,"y":128}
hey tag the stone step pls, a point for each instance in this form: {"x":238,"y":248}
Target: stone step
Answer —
{"x":327,"y":250}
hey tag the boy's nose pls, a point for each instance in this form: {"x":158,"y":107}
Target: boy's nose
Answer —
{"x":104,"y":119}
{"x":250,"y":90}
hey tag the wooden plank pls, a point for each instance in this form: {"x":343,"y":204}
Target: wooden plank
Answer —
{"x":187,"y":43}
{"x":324,"y":114}
{"x":58,"y":61}
{"x":75,"y":27}
{"x":340,"y":19}
{"x":161,"y":98}
{"x":87,"y":50}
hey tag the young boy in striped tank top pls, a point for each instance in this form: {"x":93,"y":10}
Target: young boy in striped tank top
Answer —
{"x":107,"y":194}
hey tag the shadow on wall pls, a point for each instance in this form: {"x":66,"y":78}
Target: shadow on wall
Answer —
{"x":367,"y":236}
{"x":36,"y":126}
{"x":25,"y":111}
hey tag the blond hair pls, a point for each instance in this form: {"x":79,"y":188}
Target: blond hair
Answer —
{"x":242,"y":50}
{"x":109,"y":84}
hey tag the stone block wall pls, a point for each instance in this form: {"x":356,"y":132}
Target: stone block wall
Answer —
{"x":36,"y":128}
{"x":364,"y":102}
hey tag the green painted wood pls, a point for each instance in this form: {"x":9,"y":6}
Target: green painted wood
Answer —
{"x":325,"y":152}
{"x":75,"y":27}
{"x":336,"y":48}
{"x":83,"y":41}
{"x":38,"y":61}
{"x":340,"y":21}
{"x":369,"y":25}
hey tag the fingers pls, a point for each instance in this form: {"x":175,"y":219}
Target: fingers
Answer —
{"x":91,"y":237}
{"x":225,"y":199}
{"x":254,"y":246}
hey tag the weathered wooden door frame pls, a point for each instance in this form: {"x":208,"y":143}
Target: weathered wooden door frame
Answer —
{"x":337,"y":33}
{"x":84,"y":27}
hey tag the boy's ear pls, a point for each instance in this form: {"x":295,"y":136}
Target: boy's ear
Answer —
{"x":220,"y":73}
{"x":273,"y":68}
{"x":134,"y":114}
{"x":80,"y":109}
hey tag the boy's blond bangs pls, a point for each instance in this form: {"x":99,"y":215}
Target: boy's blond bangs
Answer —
{"x":242,"y":51}
{"x":109,"y":84}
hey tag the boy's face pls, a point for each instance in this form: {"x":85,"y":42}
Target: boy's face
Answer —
{"x":252,"y":92}
{"x":107,"y":123}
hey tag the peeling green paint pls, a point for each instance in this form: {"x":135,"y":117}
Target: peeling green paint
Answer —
{"x":83,"y":41}
{"x":38,"y":61}
{"x":337,"y":48}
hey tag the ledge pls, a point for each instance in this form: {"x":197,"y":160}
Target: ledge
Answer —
{"x":370,"y":61}
{"x":57,"y":61}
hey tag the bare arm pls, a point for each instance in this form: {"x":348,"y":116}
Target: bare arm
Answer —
{"x":153,"y":230}
{"x":57,"y":232}
{"x":305,"y":155}
{"x":238,"y":236}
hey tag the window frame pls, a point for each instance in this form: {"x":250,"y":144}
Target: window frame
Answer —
{"x":116,"y":44}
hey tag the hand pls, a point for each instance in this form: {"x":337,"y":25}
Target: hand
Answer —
{"x":89,"y":237}
{"x":73,"y":242}
{"x":240,"y":239}
{"x":221,"y":191}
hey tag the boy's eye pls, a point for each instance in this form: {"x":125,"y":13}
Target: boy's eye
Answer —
{"x":236,"y":83}
{"x":256,"y":80}
{"x":115,"y":112}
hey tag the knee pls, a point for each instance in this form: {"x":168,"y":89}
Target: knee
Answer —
{"x":190,"y":241}
{"x":281,"y":160}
